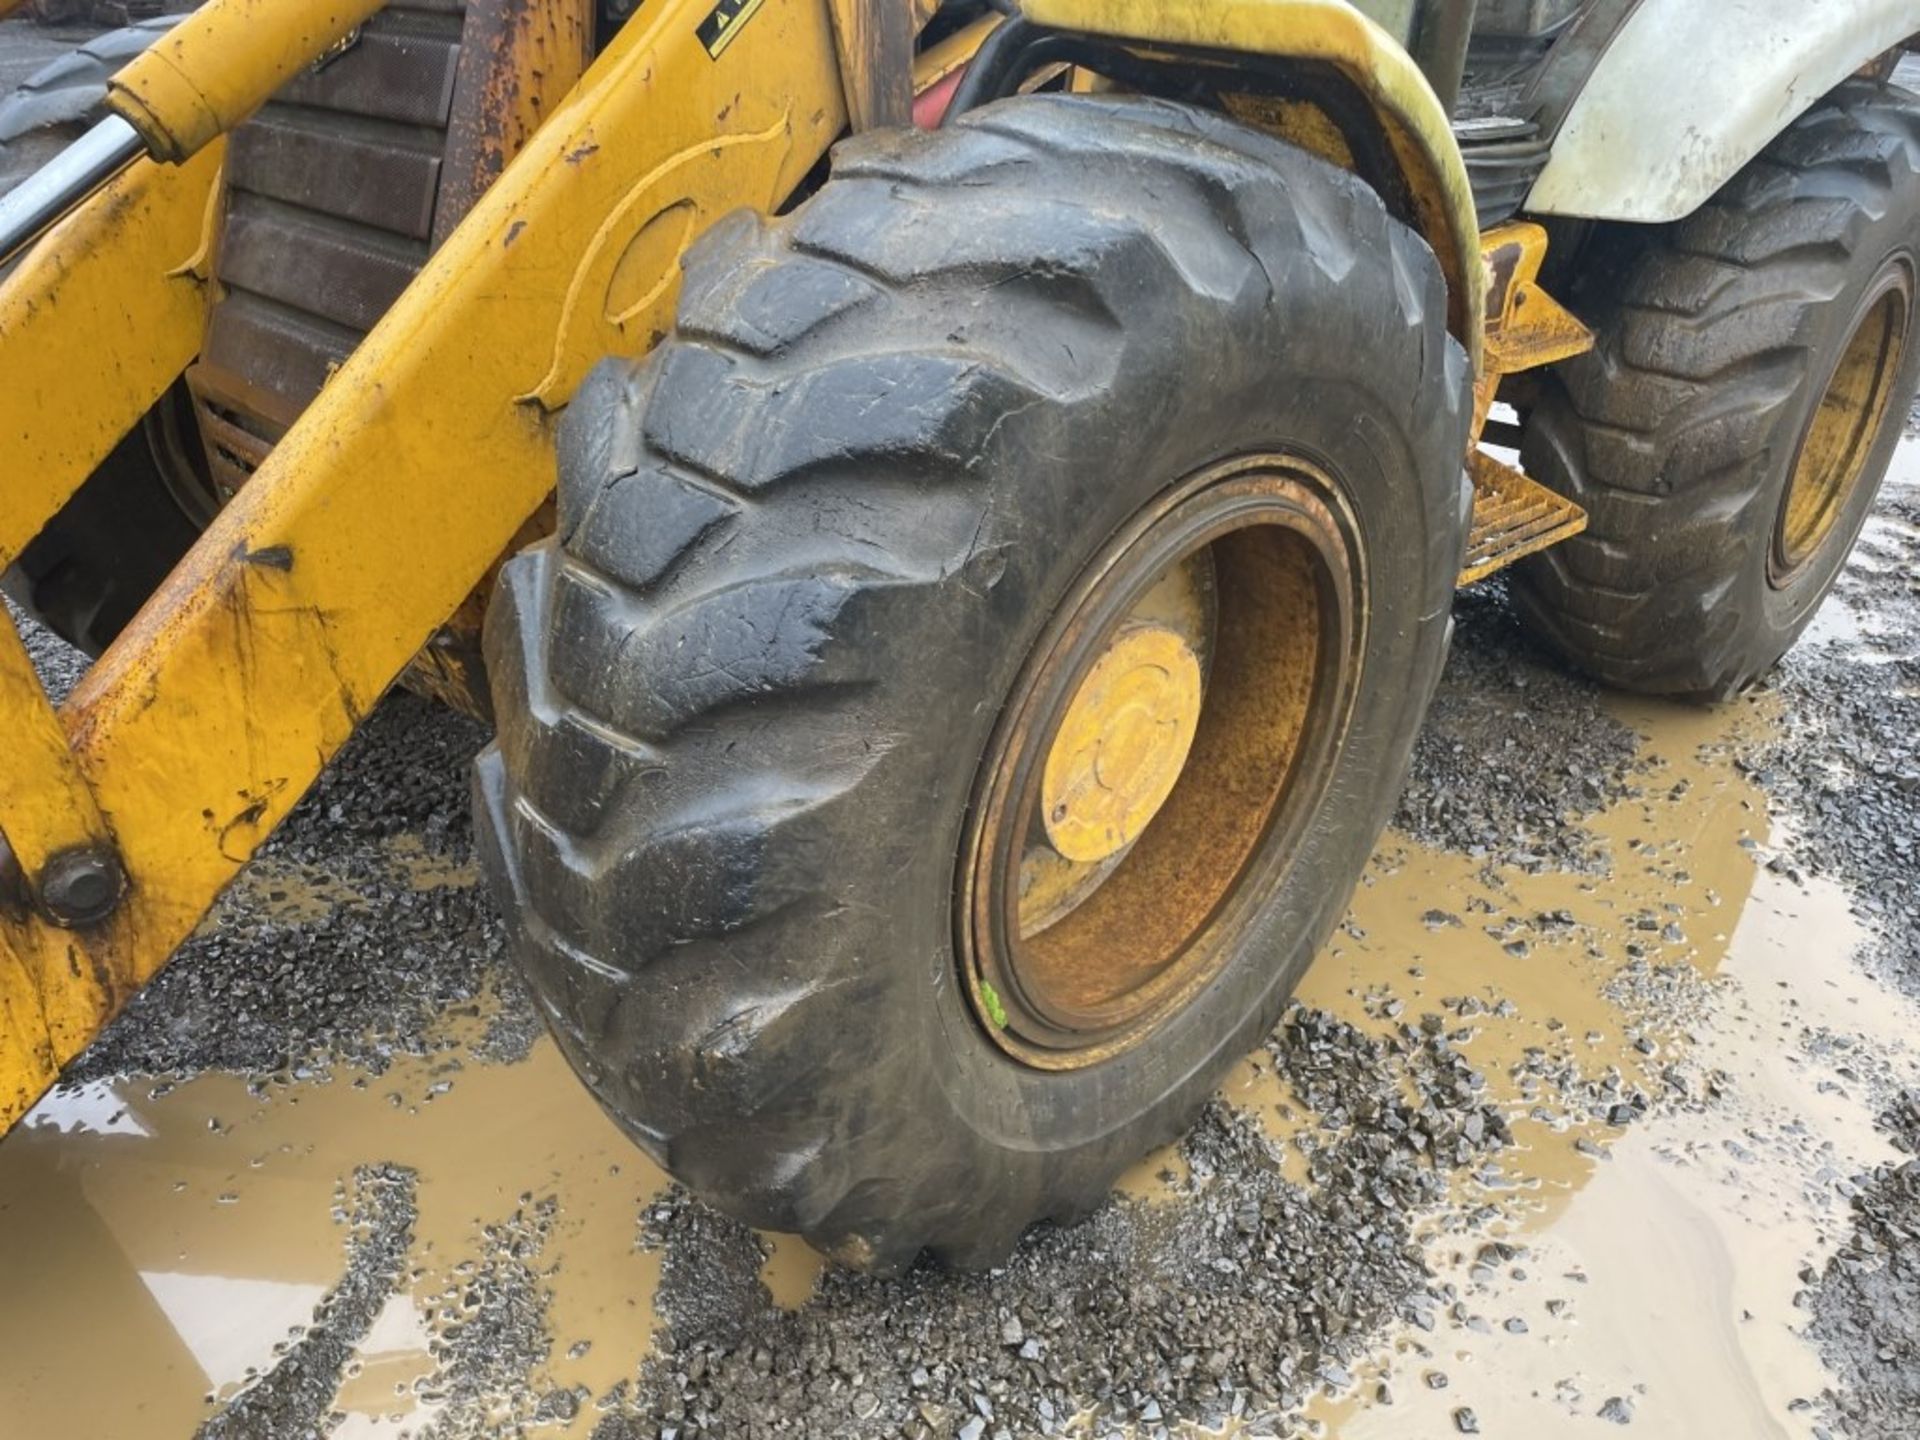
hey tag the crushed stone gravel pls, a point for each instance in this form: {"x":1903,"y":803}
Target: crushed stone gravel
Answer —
{"x":1234,"y":1303}
{"x":1866,"y":1304}
{"x":1516,"y":751}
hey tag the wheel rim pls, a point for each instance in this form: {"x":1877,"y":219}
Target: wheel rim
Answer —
{"x":1159,"y":755}
{"x":1849,"y":419}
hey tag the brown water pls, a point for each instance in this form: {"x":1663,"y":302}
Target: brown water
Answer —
{"x":1661,"y":1264}
{"x":157,"y":1243}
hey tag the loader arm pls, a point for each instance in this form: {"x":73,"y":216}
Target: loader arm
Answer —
{"x":206,"y":721}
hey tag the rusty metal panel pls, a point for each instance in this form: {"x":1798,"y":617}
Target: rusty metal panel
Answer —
{"x":235,"y":431}
{"x":516,"y":60}
{"x":875,"y":44}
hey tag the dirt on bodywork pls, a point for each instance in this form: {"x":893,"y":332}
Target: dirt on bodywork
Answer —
{"x":1597,"y":1110}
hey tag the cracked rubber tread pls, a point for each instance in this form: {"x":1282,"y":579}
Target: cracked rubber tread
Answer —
{"x":1677,"y":433}
{"x":802,"y":551}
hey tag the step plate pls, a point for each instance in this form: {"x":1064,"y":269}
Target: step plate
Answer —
{"x":1512,"y":516}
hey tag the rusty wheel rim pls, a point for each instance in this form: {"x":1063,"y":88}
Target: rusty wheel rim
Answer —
{"x":1846,"y":424}
{"x":1255,"y":567}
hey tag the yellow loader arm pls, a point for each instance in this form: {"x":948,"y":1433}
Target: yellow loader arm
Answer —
{"x":209,"y":717}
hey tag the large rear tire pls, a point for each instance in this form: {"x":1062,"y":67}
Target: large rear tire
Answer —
{"x":827,"y":561}
{"x":1729,"y":432}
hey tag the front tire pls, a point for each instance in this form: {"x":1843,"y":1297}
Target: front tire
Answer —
{"x":823,"y":559}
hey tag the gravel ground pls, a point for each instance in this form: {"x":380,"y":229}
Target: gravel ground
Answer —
{"x":1236,"y":1303}
{"x":295,"y":1396}
{"x":1845,"y":775}
{"x":1240,"y":1301}
{"x":1516,"y":750}
{"x":1866,"y":1306}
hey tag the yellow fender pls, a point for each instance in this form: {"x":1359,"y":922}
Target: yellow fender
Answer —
{"x":1332,"y":32}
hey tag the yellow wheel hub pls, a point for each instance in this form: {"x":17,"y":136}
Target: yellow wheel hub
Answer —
{"x":1122,"y":743}
{"x":1841,"y":437}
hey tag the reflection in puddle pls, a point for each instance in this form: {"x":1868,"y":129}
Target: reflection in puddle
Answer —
{"x":191,"y":1233}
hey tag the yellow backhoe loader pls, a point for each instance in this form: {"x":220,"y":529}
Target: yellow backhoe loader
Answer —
{"x":951,"y":506}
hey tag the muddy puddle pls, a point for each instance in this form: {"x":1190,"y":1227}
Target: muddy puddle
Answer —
{"x":1683,"y":1055}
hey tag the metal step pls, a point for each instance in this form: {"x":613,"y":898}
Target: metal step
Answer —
{"x":1512,"y":516}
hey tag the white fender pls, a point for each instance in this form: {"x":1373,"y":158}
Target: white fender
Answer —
{"x":1690,"y":90}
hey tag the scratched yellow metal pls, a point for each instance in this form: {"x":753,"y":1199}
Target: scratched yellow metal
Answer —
{"x":95,"y":322}
{"x":517,"y":64}
{"x":48,"y":999}
{"x":1333,"y":32}
{"x":43,"y":797}
{"x":1526,"y":328}
{"x":217,"y":67}
{"x":204,"y":723}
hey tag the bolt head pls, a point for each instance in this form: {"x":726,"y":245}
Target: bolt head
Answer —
{"x":81,"y":886}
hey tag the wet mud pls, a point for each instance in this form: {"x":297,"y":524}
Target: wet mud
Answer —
{"x":1597,"y":1110}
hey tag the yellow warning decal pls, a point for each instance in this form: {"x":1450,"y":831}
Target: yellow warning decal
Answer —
{"x":726,"y":20}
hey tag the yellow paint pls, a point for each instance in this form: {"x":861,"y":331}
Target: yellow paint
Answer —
{"x":123,"y":265}
{"x":1334,"y":33}
{"x":1526,"y":327}
{"x":1513,"y":516}
{"x":43,"y":796}
{"x":1845,"y":427}
{"x":207,"y":720}
{"x":213,"y":70}
{"x":1122,"y":743}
